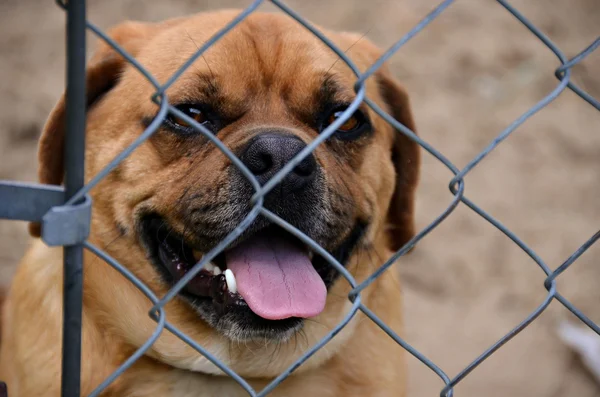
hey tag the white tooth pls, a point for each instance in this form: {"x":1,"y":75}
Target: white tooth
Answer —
{"x":310,"y":255}
{"x":230,"y":279}
{"x":209,"y":267}
{"x":216,"y":271}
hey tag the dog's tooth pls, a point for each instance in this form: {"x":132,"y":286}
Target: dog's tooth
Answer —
{"x":230,"y":279}
{"x":216,"y":270}
{"x":209,"y":267}
{"x":310,"y":255}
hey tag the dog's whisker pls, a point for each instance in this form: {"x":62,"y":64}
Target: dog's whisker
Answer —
{"x":348,"y":49}
{"x":212,"y":74}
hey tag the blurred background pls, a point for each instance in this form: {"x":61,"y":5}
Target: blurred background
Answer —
{"x":470,"y":74}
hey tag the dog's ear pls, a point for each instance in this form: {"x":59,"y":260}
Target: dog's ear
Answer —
{"x":102,"y":74}
{"x":406,"y":158}
{"x":103,"y":71}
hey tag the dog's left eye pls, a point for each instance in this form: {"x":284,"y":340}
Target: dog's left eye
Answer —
{"x":351,"y":128}
{"x":348,"y":125}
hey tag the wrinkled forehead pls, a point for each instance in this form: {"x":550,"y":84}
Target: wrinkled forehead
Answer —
{"x":265,"y":53}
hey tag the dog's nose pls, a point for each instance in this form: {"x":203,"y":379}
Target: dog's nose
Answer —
{"x":268,"y":153}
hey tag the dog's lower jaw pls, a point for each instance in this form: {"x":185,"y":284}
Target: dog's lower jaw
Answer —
{"x":195,"y":363}
{"x":341,"y":356}
{"x":265,"y":358}
{"x":230,"y":327}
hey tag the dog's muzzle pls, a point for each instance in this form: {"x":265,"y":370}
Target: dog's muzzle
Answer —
{"x":267,"y":280}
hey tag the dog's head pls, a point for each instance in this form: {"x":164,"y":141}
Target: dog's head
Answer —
{"x":266,"y":90}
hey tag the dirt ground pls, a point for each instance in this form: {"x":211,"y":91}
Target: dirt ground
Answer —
{"x":470,"y":74}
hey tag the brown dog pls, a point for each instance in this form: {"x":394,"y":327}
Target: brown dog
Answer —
{"x":266,"y":89}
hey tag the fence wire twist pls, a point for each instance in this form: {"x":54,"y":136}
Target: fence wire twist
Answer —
{"x":76,"y":37}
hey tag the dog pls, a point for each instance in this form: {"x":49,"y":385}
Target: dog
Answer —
{"x":266,"y":89}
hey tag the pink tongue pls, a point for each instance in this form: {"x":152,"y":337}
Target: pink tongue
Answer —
{"x":276,"y":278}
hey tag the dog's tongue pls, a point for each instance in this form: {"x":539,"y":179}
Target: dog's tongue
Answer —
{"x":276,"y":278}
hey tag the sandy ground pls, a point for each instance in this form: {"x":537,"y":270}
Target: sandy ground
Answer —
{"x":471,"y":73}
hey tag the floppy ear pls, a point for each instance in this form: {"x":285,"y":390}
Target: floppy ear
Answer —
{"x":406,"y":158}
{"x":103,"y":72}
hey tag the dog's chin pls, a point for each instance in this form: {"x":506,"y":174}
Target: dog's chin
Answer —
{"x":215,"y":297}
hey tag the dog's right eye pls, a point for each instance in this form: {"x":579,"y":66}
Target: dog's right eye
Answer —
{"x":194,"y":112}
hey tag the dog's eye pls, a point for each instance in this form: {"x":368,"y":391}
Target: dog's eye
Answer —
{"x":190,"y":111}
{"x":352,"y":128}
{"x":348,"y":125}
{"x":193,"y":112}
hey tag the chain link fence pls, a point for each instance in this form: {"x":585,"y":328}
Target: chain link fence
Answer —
{"x":65,"y":213}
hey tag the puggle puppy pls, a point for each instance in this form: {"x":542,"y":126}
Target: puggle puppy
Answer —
{"x":266,"y":89}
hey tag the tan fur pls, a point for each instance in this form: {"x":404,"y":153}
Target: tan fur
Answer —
{"x":265,"y":58}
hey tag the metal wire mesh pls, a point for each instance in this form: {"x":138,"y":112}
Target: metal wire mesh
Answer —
{"x":75,"y":193}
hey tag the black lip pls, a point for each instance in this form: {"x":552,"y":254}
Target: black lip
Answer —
{"x":342,"y":253}
{"x":228,"y":312}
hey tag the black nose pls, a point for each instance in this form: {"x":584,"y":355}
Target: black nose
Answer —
{"x":268,"y":153}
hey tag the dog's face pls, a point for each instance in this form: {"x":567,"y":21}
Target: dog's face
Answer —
{"x":266,"y":90}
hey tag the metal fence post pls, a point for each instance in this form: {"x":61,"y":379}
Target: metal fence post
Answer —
{"x":74,"y":153}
